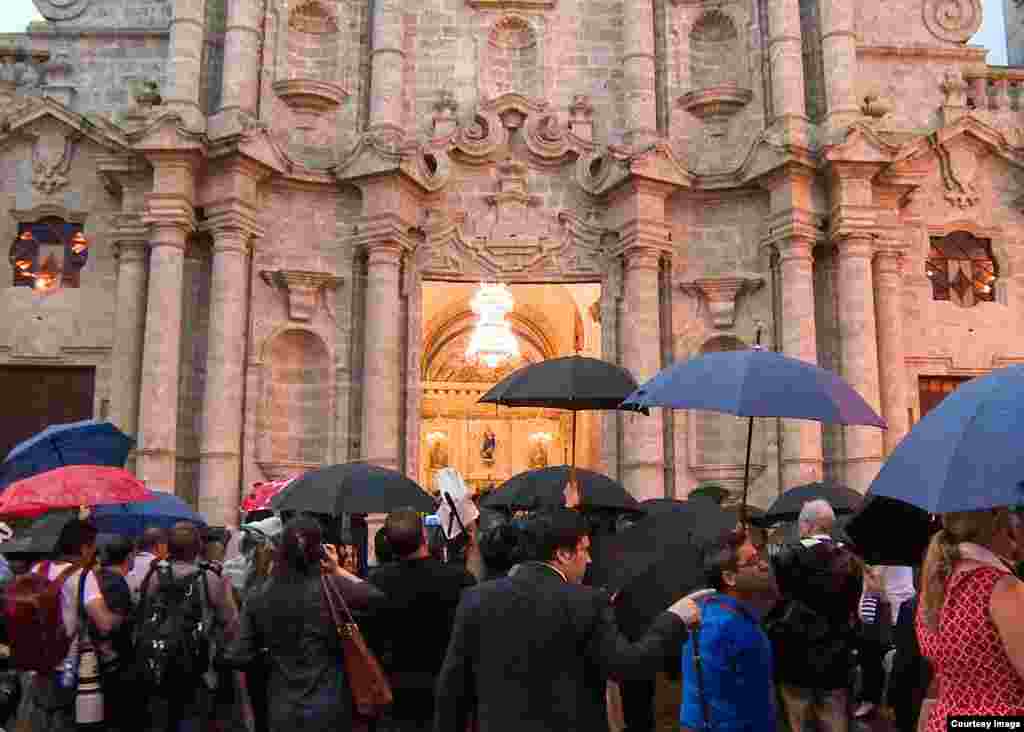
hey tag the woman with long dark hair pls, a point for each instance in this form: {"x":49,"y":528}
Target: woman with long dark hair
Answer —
{"x":288,"y":618}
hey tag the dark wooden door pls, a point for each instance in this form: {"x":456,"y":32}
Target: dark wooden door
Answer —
{"x":34,"y":397}
{"x":933,"y":389}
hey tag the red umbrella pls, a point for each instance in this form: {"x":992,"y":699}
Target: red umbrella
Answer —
{"x":70,"y":487}
{"x":261,"y":493}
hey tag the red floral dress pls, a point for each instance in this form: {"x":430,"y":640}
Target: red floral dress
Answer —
{"x":974,"y":672}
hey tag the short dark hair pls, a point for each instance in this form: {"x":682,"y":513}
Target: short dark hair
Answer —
{"x":76,"y":534}
{"x":152,"y":538}
{"x":558,"y":528}
{"x":183,"y":544}
{"x":300,"y":547}
{"x":502,"y":547}
{"x":404,"y":529}
{"x":116,"y":550}
{"x":721,"y":557}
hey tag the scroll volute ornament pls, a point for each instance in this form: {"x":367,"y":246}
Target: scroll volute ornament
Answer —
{"x":952,"y":20}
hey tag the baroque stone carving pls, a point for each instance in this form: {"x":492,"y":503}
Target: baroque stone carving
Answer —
{"x":959,"y":168}
{"x":302,"y":289}
{"x":313,"y":17}
{"x":952,"y":20}
{"x":61,"y":9}
{"x":512,"y":4}
{"x":722,"y":295}
{"x":52,"y":155}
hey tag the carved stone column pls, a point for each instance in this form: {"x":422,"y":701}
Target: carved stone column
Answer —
{"x":889,"y":311}
{"x":240,"y":88}
{"x":186,"y":56}
{"x":220,"y":440}
{"x":387,"y":60}
{"x":639,"y":72}
{"x":801,"y":446}
{"x":839,"y":53}
{"x":859,"y":347}
{"x":786,"y":53}
{"x":131,"y":247}
{"x":382,"y":387}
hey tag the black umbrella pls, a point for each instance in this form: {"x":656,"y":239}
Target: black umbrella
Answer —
{"x":658,"y":506}
{"x":890,"y":531}
{"x":576,"y":383}
{"x":352,"y":488}
{"x":654,"y":540}
{"x":788,"y":532}
{"x":676,"y":574}
{"x":543,"y":488}
{"x":787,"y":506}
{"x":39,"y":537}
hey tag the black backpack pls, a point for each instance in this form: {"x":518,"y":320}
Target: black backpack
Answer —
{"x":172,"y":636}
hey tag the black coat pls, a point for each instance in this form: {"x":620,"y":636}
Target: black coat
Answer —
{"x":911,"y":673}
{"x":532,"y":652}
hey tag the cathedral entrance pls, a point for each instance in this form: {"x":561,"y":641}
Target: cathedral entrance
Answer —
{"x":485,"y":443}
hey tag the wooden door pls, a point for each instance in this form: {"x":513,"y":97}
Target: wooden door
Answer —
{"x":35,"y":397}
{"x":933,"y":389}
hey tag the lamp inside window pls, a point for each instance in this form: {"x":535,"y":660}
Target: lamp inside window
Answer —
{"x":962,"y":269}
{"x":48,"y":255}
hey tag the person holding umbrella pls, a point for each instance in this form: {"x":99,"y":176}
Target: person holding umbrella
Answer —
{"x":968,"y":620}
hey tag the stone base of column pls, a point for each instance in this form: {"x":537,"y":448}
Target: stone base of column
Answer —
{"x":860,"y":471}
{"x":644,"y":480}
{"x":218,"y":488}
{"x":802,"y":459}
{"x":157,"y":468}
{"x":799,"y":471}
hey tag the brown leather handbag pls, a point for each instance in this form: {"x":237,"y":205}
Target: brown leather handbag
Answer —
{"x":371,"y":692}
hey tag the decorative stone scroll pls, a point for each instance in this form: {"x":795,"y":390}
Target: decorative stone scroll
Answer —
{"x":61,"y":9}
{"x":952,"y":20}
{"x":721,"y":295}
{"x":52,"y":155}
{"x":302,"y":289}
{"x":959,"y":168}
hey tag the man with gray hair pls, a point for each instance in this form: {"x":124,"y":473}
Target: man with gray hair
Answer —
{"x":813,"y":629}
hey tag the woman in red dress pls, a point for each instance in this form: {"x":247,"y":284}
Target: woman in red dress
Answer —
{"x":968,"y":622}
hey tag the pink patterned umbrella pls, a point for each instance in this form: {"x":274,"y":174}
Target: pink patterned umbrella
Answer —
{"x":70,"y":487}
{"x":261,"y":493}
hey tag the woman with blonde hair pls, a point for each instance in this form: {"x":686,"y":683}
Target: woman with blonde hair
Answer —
{"x":968,"y":622}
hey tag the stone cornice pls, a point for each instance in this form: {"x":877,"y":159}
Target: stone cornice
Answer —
{"x":957,"y":53}
{"x":232,"y":218}
{"x":384,"y":230}
{"x":169,"y":209}
{"x":48,"y":209}
{"x":302,"y":289}
{"x":722,"y":294}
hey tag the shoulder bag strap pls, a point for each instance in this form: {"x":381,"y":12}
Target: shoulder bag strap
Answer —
{"x":332,"y":605}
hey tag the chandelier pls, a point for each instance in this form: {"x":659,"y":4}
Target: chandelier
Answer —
{"x":492,"y":341}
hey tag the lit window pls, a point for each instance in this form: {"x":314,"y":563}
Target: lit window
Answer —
{"x":48,"y":254}
{"x":962,"y":269}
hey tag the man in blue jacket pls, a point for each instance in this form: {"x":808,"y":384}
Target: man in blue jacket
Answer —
{"x":728,"y":686}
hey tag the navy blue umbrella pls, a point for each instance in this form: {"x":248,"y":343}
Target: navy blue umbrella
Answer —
{"x":755,"y":383}
{"x":163,"y":510}
{"x":89,"y":442}
{"x":965,"y":454}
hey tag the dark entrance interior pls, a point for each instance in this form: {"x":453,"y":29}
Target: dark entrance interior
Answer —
{"x":933,"y":389}
{"x":34,"y":397}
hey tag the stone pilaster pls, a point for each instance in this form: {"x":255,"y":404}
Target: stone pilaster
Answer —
{"x":786,"y":54}
{"x":859,"y":348}
{"x":889,"y":311}
{"x":387,"y":60}
{"x":221,"y":437}
{"x":240,"y":89}
{"x":382,"y":387}
{"x":131,"y":250}
{"x":186,"y":56}
{"x":839,"y":53}
{"x":638,"y":69}
{"x":801,"y":444}
{"x":171,"y":218}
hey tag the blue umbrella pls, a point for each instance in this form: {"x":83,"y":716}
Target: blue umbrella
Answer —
{"x":755,"y":383}
{"x":131,"y":519}
{"x":89,"y":442}
{"x":965,"y":454}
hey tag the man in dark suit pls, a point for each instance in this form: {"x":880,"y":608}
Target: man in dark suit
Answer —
{"x":534,"y":650}
{"x":411,"y":631}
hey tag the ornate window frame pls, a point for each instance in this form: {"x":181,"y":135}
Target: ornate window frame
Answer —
{"x":975,"y":264}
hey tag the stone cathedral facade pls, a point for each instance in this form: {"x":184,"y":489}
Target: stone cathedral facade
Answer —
{"x":289,"y":202}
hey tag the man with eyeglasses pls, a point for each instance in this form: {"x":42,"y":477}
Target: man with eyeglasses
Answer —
{"x":727,"y":663}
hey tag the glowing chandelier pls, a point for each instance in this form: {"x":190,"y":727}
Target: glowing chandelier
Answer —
{"x":492,"y":341}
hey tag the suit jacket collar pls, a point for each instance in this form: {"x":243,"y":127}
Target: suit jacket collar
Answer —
{"x":542,"y":569}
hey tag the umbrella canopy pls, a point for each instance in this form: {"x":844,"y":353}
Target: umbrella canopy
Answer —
{"x":40,"y":537}
{"x":352,"y":488}
{"x":261,"y":493}
{"x":543,"y":488}
{"x":756,"y":383}
{"x":788,"y":532}
{"x":887,"y":531}
{"x":787,"y":506}
{"x":965,"y":454}
{"x":572,"y":382}
{"x":674,"y":575}
{"x":162,"y":510}
{"x":89,"y":442}
{"x":658,"y":506}
{"x":70,"y":487}
{"x":655,"y":539}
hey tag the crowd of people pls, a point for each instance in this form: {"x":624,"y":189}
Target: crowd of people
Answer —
{"x":196,"y":631}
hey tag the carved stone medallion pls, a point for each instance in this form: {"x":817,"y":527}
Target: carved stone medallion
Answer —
{"x":952,"y":20}
{"x":61,"y":9}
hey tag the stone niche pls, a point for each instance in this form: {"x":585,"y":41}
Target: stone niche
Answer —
{"x":719,"y":80}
